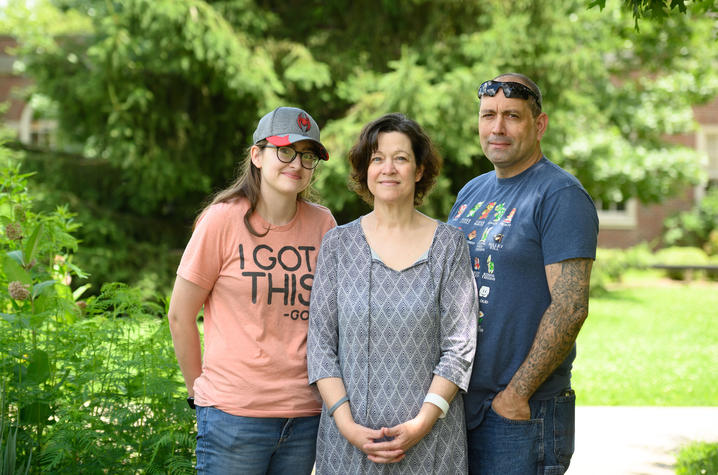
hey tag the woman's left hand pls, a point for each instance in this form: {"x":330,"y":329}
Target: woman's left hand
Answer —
{"x":403,"y":437}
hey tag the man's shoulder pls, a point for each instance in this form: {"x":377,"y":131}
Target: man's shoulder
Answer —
{"x":555,"y":175}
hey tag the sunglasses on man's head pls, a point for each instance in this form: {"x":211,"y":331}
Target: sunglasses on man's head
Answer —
{"x":511,"y":90}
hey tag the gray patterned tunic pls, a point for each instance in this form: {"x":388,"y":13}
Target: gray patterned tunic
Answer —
{"x":386,"y":333}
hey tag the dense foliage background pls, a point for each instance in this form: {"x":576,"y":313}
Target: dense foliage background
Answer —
{"x":157,"y":99}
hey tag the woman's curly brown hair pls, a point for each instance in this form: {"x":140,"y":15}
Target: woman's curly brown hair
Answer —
{"x":426,"y":155}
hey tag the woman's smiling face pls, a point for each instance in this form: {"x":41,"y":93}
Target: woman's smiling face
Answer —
{"x":392,"y":172}
{"x":282,"y":177}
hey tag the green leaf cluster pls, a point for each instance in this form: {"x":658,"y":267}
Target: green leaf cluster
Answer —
{"x":660,"y":9}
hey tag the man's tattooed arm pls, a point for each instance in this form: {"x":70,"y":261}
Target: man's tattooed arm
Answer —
{"x":568,"y":282}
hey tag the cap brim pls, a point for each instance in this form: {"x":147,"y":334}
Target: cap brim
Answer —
{"x":284,"y":140}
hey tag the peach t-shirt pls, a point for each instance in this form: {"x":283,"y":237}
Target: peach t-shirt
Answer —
{"x":256,"y":314}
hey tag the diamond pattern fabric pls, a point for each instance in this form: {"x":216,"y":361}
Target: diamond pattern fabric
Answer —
{"x":386,"y":333}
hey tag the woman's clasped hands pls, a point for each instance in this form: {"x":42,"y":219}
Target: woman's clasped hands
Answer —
{"x":388,"y":444}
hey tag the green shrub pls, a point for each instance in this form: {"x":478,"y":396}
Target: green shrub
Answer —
{"x":700,"y":458}
{"x":698,"y":227}
{"x":91,"y":384}
{"x":678,"y":256}
{"x":611,"y":264}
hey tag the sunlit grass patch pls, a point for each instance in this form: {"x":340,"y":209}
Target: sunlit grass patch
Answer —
{"x":650,"y":343}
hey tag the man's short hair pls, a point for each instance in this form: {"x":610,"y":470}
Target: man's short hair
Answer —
{"x":534,"y":105}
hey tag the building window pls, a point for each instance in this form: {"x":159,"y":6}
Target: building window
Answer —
{"x":38,"y":133}
{"x":617,"y":215}
{"x":707,"y":142}
{"x":710,"y":147}
{"x":42,"y":134}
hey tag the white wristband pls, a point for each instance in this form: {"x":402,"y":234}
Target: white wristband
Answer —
{"x":439,"y":402}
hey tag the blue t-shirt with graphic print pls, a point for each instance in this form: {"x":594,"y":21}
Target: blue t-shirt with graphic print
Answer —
{"x":515,"y":227}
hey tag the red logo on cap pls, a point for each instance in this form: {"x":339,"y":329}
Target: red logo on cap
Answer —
{"x":303,"y":122}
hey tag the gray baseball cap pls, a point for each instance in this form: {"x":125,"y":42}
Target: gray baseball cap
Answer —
{"x":286,"y":125}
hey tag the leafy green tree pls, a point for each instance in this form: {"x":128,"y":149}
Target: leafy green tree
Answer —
{"x":156,"y":102}
{"x":161,"y":97}
{"x":612,"y":94}
{"x":163,"y":90}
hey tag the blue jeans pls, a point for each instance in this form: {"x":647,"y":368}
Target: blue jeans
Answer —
{"x":542,"y":445}
{"x":228,"y":444}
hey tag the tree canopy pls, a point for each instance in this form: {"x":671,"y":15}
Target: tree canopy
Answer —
{"x":661,"y":9}
{"x":161,"y":96}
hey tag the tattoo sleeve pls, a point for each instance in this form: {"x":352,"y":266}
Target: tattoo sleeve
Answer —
{"x":568,"y":283}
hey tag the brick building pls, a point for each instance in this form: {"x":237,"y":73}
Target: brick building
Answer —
{"x":632,"y":222}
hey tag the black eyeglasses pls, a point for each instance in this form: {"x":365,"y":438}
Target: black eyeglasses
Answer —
{"x":308,"y":160}
{"x":510,"y":88}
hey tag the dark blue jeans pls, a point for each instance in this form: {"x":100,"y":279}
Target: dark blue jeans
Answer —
{"x":542,"y":445}
{"x":228,"y":444}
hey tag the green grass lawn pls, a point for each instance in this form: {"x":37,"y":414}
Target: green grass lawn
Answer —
{"x":650,"y":342}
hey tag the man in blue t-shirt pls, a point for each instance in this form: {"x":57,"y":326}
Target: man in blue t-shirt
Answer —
{"x":532,"y":232}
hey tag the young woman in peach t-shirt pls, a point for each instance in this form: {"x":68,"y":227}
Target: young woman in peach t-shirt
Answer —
{"x":250,"y":262}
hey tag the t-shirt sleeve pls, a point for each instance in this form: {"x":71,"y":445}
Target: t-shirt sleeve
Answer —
{"x":568,"y":225}
{"x":202,"y":259}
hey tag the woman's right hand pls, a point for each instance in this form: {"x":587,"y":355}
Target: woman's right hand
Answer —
{"x":186,"y":302}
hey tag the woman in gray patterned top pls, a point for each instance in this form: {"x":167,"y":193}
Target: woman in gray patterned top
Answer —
{"x":393,"y":312}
